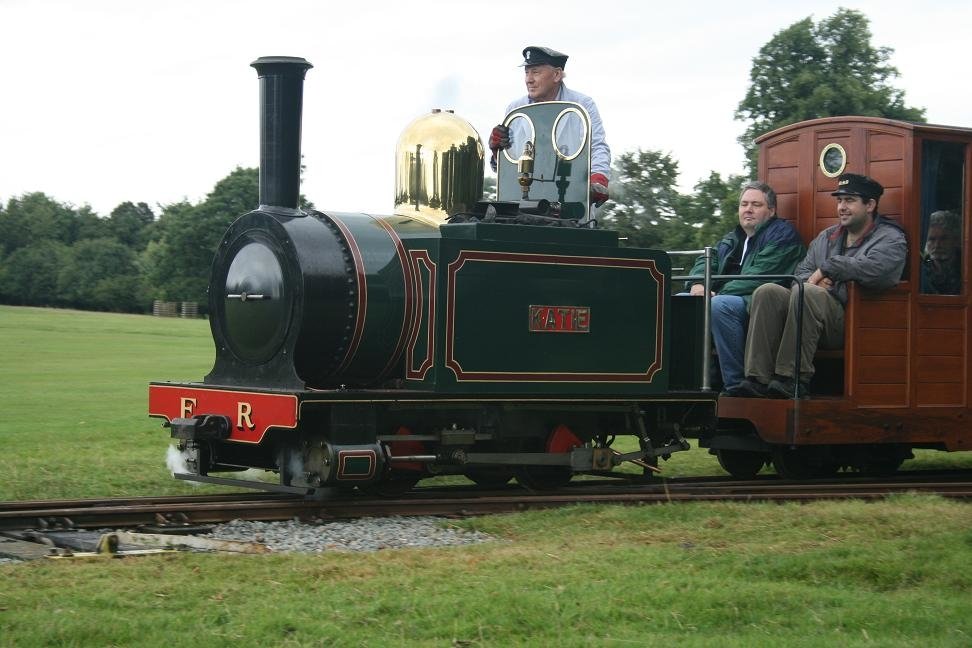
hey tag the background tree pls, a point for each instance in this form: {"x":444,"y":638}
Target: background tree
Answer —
{"x":131,"y":224}
{"x":36,"y":217}
{"x":645,"y":199}
{"x":90,"y":225}
{"x":101,"y":274}
{"x":713,"y":207}
{"x":29,"y":275}
{"x":808,"y":71}
{"x":178,"y":264}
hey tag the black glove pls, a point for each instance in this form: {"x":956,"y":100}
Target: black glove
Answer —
{"x":499,"y":138}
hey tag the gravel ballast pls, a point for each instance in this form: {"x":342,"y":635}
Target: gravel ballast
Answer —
{"x":363,"y":534}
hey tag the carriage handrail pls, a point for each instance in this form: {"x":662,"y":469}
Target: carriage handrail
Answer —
{"x":707,"y":278}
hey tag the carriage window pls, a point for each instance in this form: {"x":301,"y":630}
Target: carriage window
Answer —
{"x":833,"y":160}
{"x":942,"y":206}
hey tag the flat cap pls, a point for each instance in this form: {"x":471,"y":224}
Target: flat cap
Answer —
{"x":852,"y":184}
{"x":536,"y":55}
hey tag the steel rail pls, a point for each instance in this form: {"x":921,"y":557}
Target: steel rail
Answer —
{"x":448,"y":501}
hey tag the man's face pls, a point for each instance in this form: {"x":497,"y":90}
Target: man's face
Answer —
{"x":854,"y":212}
{"x":542,"y":82}
{"x":940,"y":244}
{"x":753,"y":210}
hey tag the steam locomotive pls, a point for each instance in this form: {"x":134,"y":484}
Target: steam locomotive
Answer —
{"x":493,"y":339}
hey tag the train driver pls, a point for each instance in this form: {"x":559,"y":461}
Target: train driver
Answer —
{"x":941,"y":263}
{"x":863,"y":247}
{"x":762,"y":243}
{"x":544,"y":76}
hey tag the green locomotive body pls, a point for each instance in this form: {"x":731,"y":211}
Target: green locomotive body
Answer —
{"x":535,"y":310}
{"x":516,"y":339}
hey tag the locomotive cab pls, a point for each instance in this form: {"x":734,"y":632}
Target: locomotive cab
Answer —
{"x":547,"y":167}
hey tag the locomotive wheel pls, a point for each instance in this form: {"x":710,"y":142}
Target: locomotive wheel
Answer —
{"x":391,"y":486}
{"x":798,"y":463}
{"x":648,"y":472}
{"x":561,"y":440}
{"x":741,"y":464}
{"x":489,"y":477}
{"x":882,"y":467}
{"x":539,"y":478}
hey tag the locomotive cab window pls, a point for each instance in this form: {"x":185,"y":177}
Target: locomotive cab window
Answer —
{"x":522,"y":132}
{"x":569,"y":134}
{"x":942,"y":206}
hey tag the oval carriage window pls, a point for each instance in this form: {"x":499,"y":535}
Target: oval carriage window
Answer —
{"x":521,"y":132}
{"x":569,"y":133}
{"x":833,"y":159}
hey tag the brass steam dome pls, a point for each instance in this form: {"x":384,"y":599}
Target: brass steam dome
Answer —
{"x":438,"y":168}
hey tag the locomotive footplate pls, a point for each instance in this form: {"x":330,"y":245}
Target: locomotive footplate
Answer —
{"x":343,"y":437}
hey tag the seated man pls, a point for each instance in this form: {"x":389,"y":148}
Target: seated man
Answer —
{"x":941,"y":264}
{"x":863,"y":247}
{"x":762,"y":243}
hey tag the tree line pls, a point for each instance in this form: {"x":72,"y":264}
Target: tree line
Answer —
{"x":53,"y":254}
{"x":806,"y":71}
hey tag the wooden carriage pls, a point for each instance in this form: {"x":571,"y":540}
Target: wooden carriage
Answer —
{"x":902,"y":379}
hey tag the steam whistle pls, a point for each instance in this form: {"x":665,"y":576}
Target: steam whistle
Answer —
{"x":525,"y":168}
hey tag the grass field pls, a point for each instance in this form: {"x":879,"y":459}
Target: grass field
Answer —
{"x":73,"y":400}
{"x":72,"y":419}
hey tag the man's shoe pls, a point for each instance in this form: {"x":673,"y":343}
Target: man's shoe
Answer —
{"x":751,"y":388}
{"x":786,"y":388}
{"x":735,"y":392}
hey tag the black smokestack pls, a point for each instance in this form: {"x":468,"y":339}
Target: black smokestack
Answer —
{"x":281,"y":100}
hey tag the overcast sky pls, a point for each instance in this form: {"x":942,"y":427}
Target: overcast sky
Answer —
{"x":105,"y":101}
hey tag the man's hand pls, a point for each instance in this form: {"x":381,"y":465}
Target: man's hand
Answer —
{"x":698,"y":290}
{"x":599,"y":189}
{"x":818,"y":279}
{"x":499,"y":138}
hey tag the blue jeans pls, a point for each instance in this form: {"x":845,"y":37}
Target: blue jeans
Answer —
{"x":729,"y":322}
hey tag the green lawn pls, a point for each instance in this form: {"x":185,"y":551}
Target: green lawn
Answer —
{"x":892,"y":573}
{"x":73,"y":420}
{"x":73,"y":400}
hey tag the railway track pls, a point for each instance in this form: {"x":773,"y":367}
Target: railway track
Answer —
{"x":182,"y":513}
